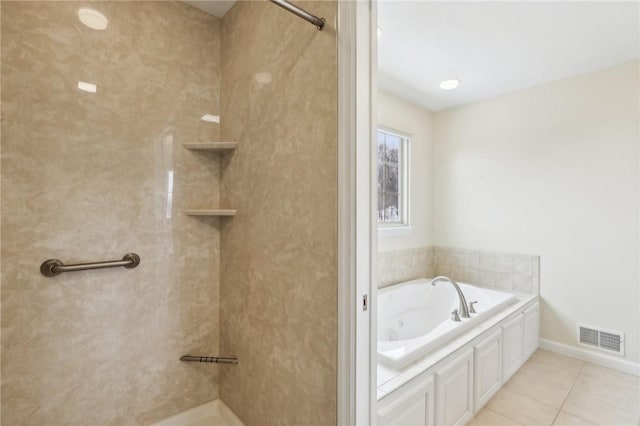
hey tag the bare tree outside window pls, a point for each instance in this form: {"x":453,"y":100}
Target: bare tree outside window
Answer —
{"x":391,"y":178}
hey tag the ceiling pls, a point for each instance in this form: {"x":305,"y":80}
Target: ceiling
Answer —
{"x":497,"y":47}
{"x":212,"y":7}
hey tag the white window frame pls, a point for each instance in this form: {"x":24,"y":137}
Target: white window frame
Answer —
{"x":404,"y":162}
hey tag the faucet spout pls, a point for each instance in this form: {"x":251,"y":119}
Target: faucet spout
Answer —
{"x":463,"y":309}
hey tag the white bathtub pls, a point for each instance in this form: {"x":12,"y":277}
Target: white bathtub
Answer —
{"x":214,"y":413}
{"x":414,"y":317}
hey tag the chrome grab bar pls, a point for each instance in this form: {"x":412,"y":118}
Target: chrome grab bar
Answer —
{"x":53,"y":267}
{"x":298,"y":11}
{"x":212,"y":359}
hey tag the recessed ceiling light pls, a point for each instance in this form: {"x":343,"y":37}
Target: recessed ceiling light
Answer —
{"x":93,"y":19}
{"x":449,"y":84}
{"x":380,"y":31}
{"x":263,"y":77}
{"x":210,"y":118}
{"x":87,"y":87}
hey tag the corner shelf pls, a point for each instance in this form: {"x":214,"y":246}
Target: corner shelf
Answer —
{"x":211,"y":146}
{"x":218,"y":146}
{"x":210,"y":212}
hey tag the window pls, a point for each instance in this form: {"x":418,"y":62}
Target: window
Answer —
{"x":393,"y":150}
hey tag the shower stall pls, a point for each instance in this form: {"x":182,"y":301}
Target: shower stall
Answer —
{"x":191,"y":143}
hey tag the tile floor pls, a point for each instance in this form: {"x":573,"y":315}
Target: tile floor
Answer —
{"x":551,"y":389}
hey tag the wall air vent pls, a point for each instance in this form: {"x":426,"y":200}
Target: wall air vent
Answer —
{"x":608,"y":340}
{"x":589,"y":336}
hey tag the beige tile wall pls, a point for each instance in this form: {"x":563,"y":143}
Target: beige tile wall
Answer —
{"x":505,"y":271}
{"x":404,"y":265}
{"x":84,"y":178}
{"x":278,"y":253}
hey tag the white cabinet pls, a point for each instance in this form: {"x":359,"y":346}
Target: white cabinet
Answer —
{"x":512,"y":353}
{"x":450,"y":391}
{"x":411,"y":405}
{"x":454,"y":391}
{"x":531,"y":328}
{"x":487,"y":367}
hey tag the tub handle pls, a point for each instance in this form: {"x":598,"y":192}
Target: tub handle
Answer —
{"x":455,"y":316}
{"x":472,"y":310}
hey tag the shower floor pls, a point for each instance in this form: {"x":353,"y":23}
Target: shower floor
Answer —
{"x":214,"y":413}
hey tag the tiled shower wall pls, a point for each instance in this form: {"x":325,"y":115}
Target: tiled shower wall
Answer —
{"x":503,"y":271}
{"x":278,"y":254}
{"x":85,"y":178}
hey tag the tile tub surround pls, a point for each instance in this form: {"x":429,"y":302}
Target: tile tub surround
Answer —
{"x":404,"y":265}
{"x":278,"y":255}
{"x":502,"y":271}
{"x":84,"y":178}
{"x":552,"y":389}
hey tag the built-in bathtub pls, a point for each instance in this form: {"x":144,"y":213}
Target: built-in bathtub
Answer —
{"x":414,"y":317}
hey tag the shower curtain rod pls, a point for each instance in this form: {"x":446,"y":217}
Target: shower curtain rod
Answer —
{"x":318,"y":22}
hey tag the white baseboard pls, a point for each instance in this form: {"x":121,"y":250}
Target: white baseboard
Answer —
{"x":604,"y":360}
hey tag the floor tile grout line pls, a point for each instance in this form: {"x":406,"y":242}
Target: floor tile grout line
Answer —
{"x":543,"y":365}
{"x":569,"y":393}
{"x":558,"y":410}
{"x":579,"y":375}
{"x":595,"y":398}
{"x":503,"y":415}
{"x":541,"y":377}
{"x":524,"y":396}
{"x":530,"y":397}
{"x":564,"y":357}
{"x":607,"y":382}
{"x":545,"y":379}
{"x":503,"y":388}
{"x":551,"y":364}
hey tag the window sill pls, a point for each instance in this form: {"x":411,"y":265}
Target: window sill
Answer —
{"x":394,"y":231}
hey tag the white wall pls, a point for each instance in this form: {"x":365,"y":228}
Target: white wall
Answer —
{"x":409,"y":118}
{"x":553,"y":171}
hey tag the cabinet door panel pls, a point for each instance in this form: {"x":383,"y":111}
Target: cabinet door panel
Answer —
{"x":512,"y":349}
{"x":487,"y":366}
{"x":454,"y":391}
{"x":410,"y":405}
{"x":531,"y":329}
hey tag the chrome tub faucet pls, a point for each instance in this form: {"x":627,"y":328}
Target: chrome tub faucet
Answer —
{"x":463,"y":309}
